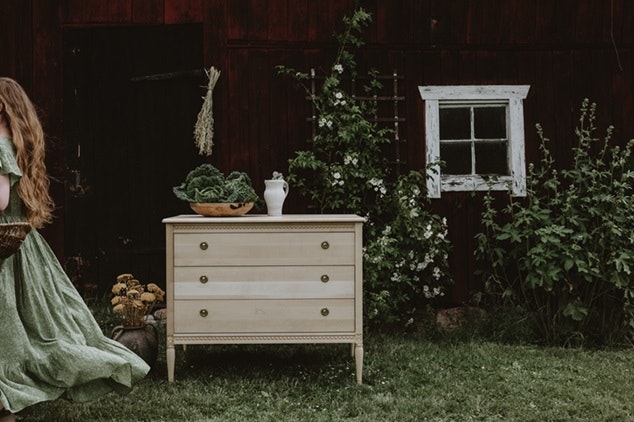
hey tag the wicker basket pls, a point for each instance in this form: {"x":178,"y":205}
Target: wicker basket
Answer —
{"x":11,"y":237}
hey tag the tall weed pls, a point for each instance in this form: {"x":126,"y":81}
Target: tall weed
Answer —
{"x":566,"y":252}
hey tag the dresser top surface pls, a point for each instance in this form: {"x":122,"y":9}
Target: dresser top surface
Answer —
{"x":263,"y":218}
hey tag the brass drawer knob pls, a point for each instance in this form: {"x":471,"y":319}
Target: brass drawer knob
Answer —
{"x":324,"y":311}
{"x":325,"y":278}
{"x":325,"y":245}
{"x":204,"y":246}
{"x":203,"y":313}
{"x":203,"y":279}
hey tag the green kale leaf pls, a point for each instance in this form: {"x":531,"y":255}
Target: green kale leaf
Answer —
{"x":207,"y":184}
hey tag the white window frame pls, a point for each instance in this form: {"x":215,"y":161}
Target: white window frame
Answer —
{"x":512,"y":97}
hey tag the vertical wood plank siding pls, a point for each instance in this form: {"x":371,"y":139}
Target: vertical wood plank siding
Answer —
{"x":46,"y":92}
{"x":565,"y":49}
{"x":16,"y":41}
{"x":562,"y":49}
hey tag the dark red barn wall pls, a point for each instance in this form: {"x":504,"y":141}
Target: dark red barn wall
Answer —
{"x":31,"y":46}
{"x":566,"y":50}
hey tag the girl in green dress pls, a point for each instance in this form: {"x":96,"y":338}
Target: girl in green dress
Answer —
{"x":50,"y":344}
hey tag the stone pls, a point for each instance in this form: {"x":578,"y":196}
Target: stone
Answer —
{"x":451,"y":318}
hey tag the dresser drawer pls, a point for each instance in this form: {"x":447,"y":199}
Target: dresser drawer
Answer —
{"x":264,"y":248}
{"x":263,"y":316}
{"x":271,"y":282}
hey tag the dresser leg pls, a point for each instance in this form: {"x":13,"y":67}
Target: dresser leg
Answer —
{"x":170,"y":355}
{"x":358,"y":359}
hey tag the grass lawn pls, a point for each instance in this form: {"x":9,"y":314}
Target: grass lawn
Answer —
{"x":406,"y":378}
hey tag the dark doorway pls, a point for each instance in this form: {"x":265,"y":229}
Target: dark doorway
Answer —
{"x":131,"y":97}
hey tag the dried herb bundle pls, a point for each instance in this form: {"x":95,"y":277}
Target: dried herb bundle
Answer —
{"x":204,"y":127}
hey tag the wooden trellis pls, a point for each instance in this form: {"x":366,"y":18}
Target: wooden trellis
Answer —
{"x":390,"y":105}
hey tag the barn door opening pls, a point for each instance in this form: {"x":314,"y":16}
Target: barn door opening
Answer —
{"x":131,"y":97}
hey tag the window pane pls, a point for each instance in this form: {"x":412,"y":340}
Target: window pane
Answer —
{"x":455,"y":123}
{"x":490,"y":122}
{"x":457,"y":157}
{"x":491,"y":158}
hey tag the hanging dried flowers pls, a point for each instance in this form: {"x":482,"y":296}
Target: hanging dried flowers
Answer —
{"x":204,"y":128}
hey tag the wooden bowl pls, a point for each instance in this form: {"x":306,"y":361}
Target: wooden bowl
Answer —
{"x":228,"y":209}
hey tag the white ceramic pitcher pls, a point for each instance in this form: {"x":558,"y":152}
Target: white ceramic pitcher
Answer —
{"x":274,"y":195}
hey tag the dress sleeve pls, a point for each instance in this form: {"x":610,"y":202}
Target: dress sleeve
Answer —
{"x":8,"y":163}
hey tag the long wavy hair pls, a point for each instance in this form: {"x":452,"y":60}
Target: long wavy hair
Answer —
{"x":28,"y":138}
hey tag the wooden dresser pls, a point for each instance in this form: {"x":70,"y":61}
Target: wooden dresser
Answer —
{"x":261,"y":279}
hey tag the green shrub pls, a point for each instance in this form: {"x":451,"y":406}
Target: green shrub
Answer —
{"x":345,"y":171}
{"x":405,"y":253}
{"x":566,"y":253}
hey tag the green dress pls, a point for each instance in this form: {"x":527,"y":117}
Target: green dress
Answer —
{"x":50,"y":344}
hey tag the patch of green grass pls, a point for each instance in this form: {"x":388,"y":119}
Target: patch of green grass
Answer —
{"x":406,"y":378}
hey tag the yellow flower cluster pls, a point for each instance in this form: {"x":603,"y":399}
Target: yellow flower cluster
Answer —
{"x":133,"y":300}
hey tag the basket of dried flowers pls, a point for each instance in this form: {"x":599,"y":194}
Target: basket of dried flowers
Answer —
{"x":133,"y":300}
{"x":12,"y":236}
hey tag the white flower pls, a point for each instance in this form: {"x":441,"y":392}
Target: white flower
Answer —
{"x":348,"y":159}
{"x":428,"y":232}
{"x":339,"y":99}
{"x":337,"y":176}
{"x":325,"y":122}
{"x":338,"y":68}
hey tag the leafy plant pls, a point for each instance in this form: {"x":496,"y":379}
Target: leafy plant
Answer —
{"x":207,"y":184}
{"x":405,"y":253}
{"x":345,"y":171}
{"x":566,"y":253}
{"x":345,"y":164}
